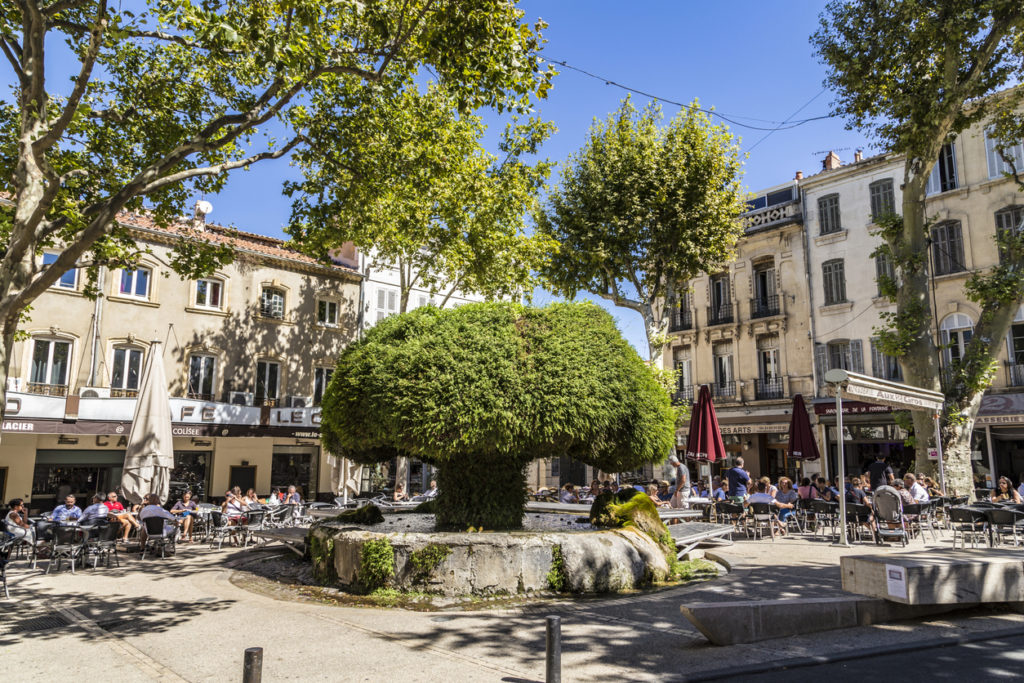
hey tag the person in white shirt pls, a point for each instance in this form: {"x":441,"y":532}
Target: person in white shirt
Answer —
{"x":762,"y":496}
{"x":568,"y":495}
{"x":917,"y":491}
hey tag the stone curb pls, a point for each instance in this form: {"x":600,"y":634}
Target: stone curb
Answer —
{"x":859,"y":654}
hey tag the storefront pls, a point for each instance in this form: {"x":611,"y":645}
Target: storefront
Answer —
{"x":997,"y":445}
{"x":53,"y":445}
{"x":868,"y":430}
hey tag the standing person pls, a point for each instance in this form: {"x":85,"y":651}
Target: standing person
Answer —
{"x":682,"y":491}
{"x":16,"y":522}
{"x":117,"y":511}
{"x":879,"y":473}
{"x":739,"y":480}
{"x":186,"y":508}
{"x":68,"y":512}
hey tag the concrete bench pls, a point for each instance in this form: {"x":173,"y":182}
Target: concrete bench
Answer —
{"x":949,"y":577}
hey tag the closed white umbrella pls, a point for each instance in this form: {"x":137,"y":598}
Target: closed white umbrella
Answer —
{"x":344,"y":477}
{"x":150,"y":454}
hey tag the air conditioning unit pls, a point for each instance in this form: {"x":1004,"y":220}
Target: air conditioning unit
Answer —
{"x":94,"y":392}
{"x":241,"y":398}
{"x":15,"y":384}
{"x":299,"y":402}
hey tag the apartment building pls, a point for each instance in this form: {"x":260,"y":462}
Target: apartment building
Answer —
{"x":969,"y":201}
{"x":248,"y":352}
{"x":745,"y":332}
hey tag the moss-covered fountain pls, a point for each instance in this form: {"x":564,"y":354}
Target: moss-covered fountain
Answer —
{"x":480,"y":392}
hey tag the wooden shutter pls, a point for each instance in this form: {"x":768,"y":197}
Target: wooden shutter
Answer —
{"x":821,"y":362}
{"x":857,"y":355}
{"x":877,"y":360}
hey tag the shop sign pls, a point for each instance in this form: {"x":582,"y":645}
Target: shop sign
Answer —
{"x":770,"y":428}
{"x":999,"y":419}
{"x":850,"y":408}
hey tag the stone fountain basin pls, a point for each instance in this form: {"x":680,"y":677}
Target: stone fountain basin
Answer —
{"x":506,"y":563}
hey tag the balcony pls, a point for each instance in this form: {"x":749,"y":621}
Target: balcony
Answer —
{"x":723,"y":390}
{"x":682,"y":394}
{"x":720,"y":315}
{"x":764,"y":306}
{"x":768,"y":389}
{"x":682,"y":319}
{"x":47,"y":389}
{"x":1015,"y":374}
{"x":123,"y":393}
{"x":779,"y":214}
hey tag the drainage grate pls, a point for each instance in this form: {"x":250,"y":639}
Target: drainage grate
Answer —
{"x":44,"y":623}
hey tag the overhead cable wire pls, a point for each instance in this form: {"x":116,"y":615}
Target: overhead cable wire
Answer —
{"x":781,"y":125}
{"x":802,"y":107}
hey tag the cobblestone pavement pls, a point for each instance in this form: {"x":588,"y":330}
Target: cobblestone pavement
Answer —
{"x":183,"y":618}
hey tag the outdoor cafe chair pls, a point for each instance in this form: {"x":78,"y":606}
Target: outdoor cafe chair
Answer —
{"x":253,"y":524}
{"x":915,"y":515}
{"x":219,"y":528}
{"x":967,"y":523}
{"x":1007,"y":522}
{"x":858,"y":520}
{"x":6,"y":547}
{"x":890,"y":522}
{"x":157,"y":536}
{"x":103,"y":544}
{"x":735,"y":515}
{"x":761,"y":518}
{"x":278,"y":517}
{"x":825,"y":513}
{"x":68,"y":544}
{"x":44,"y":537}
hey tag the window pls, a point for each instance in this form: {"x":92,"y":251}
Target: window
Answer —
{"x":268,"y":375}
{"x":51,"y":361}
{"x":387,"y":303}
{"x":828,"y":214}
{"x":68,"y":279}
{"x":956,"y":331}
{"x":681,"y":361}
{"x":996,"y":166}
{"x":841,"y":354}
{"x":126,"y":371}
{"x":272,"y":303}
{"x":321,"y":378}
{"x":208,"y":293}
{"x":883,"y":199}
{"x":1008,"y":223}
{"x":884,"y":366}
{"x":425,"y":300}
{"x":327,"y":313}
{"x":833,"y":274}
{"x":1016,"y":344}
{"x":884,"y":269}
{"x":201,"y":369}
{"x":721,"y":300}
{"x":722,"y":356}
{"x":943,"y":177}
{"x":947,"y":248}
{"x":765,"y":301}
{"x":768,"y":357}
{"x":135,"y":283}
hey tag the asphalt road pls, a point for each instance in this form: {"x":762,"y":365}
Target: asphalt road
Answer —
{"x":985,"y":660}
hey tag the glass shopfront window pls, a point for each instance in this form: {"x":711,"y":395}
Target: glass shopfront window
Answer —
{"x":191,"y":473}
{"x":295,"y":466}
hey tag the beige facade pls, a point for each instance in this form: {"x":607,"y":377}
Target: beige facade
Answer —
{"x":247,"y":353}
{"x":969,"y":200}
{"x":745,"y":332}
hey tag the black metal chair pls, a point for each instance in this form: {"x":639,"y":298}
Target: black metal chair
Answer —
{"x":858,"y":520}
{"x":762,"y":517}
{"x":43,"y":537}
{"x":254,"y":523}
{"x":736,"y":515}
{"x":968,"y":523}
{"x":1007,"y":522}
{"x":103,"y":543}
{"x":68,"y":544}
{"x":6,"y":547}
{"x":825,"y":513}
{"x":158,"y":535}
{"x":219,"y":529}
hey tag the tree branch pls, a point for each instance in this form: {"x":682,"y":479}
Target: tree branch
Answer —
{"x":63,"y":5}
{"x":9,"y":51}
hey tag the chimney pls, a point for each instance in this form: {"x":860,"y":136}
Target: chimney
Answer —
{"x":831,"y":162}
{"x":799,"y":175}
{"x":858,"y":156}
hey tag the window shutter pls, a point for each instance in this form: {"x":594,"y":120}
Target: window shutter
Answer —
{"x":392,"y":301}
{"x":877,"y":360}
{"x":821,"y":362}
{"x":857,"y":355}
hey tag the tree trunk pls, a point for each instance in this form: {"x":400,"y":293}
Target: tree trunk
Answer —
{"x":6,"y":349}
{"x":656,"y":328}
{"x":481,"y":492}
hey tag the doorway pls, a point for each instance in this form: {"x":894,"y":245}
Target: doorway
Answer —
{"x":243,"y":476}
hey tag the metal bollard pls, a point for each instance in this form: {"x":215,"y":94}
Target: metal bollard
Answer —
{"x":553,"y":671}
{"x":252,"y":670}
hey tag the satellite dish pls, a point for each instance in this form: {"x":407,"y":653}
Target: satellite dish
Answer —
{"x":203,"y":207}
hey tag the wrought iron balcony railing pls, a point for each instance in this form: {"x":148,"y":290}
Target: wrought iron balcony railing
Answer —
{"x":720,"y":315}
{"x":772,"y":388}
{"x":682,"y":319}
{"x":764,"y":306}
{"x":723,"y":389}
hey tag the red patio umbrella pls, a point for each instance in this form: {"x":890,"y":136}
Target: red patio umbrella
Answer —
{"x":705,"y":439}
{"x":802,"y":444}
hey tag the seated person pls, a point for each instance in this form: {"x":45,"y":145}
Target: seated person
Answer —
{"x":293,"y":497}
{"x":1004,"y":492}
{"x":932,"y":488}
{"x":855,"y":494}
{"x":16,"y":522}
{"x":718,"y":493}
{"x":786,"y":498}
{"x":568,"y":495}
{"x":232,"y":509}
{"x":762,"y":496}
{"x":652,"y":493}
{"x":663,"y":494}
{"x":432,"y":491}
{"x":917,"y":491}
{"x":397,"y":496}
{"x":68,"y":512}
{"x":117,"y":511}
{"x":251,"y":500}
{"x":151,"y":507}
{"x":274,"y":499}
{"x":186,"y":508}
{"x":95,"y":513}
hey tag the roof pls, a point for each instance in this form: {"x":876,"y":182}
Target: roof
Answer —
{"x":237,"y":239}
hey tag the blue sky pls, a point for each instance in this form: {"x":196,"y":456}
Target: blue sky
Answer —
{"x":749,"y":60}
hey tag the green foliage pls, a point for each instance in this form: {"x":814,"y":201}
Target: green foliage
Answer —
{"x":367,"y":514}
{"x":643,"y":208}
{"x":376,"y":565}
{"x":631,"y":509}
{"x":556,"y":577}
{"x":428,"y":507}
{"x":482,"y":390}
{"x":321,"y":553}
{"x":694,"y":570}
{"x":426,"y":559}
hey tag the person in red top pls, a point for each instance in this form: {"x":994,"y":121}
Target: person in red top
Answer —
{"x":118,"y":512}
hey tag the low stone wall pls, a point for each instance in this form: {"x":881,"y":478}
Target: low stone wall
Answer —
{"x":498,"y":563}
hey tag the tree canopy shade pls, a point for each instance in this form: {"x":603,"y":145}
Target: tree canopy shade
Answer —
{"x":642,"y":209}
{"x":916,"y":73}
{"x":482,"y":390}
{"x":167,"y":97}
